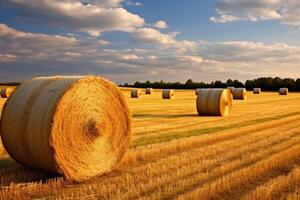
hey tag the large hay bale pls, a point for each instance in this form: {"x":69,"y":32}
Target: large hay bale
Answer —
{"x":75,"y":126}
{"x":168,"y":94}
{"x":149,"y":91}
{"x":6,"y":92}
{"x":214,"y":102}
{"x":136,"y":93}
{"x":283,"y":91}
{"x":239,"y":93}
{"x":230,"y":89}
{"x":256,"y":90}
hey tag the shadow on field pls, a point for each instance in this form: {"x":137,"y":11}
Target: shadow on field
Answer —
{"x":13,"y":172}
{"x":164,"y":116}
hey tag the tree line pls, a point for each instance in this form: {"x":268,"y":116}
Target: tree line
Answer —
{"x":265,"y":83}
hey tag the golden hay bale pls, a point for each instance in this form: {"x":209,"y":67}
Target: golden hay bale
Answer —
{"x":168,"y":94}
{"x":6,"y":92}
{"x":256,"y":90}
{"x":283,"y":91}
{"x":230,"y":89}
{"x":239,"y":93}
{"x":136,"y":93}
{"x":215,"y":102}
{"x":149,"y":91}
{"x":75,"y":126}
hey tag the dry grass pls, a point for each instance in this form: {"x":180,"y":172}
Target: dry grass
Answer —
{"x":254,"y":153}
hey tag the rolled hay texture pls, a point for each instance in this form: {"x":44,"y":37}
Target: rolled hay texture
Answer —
{"x":168,"y":94}
{"x":239,"y":93}
{"x":149,"y":91}
{"x":6,"y":92}
{"x":256,"y":90}
{"x":283,"y":91}
{"x":136,"y":93}
{"x":214,"y":102}
{"x":79,"y":127}
{"x":230,"y":89}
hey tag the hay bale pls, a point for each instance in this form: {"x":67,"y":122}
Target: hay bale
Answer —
{"x":230,"y":89}
{"x":214,"y":102}
{"x":149,"y":91}
{"x":75,"y":126}
{"x":136,"y":93}
{"x":6,"y":92}
{"x":256,"y":90}
{"x":283,"y":91}
{"x":239,"y":93}
{"x":168,"y":94}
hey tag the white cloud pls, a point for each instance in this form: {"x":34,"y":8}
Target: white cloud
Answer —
{"x":153,"y":36}
{"x":93,"y":18}
{"x":161,"y":24}
{"x":132,"y":3}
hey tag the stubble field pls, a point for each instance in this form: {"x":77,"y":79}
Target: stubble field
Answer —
{"x":254,"y":153}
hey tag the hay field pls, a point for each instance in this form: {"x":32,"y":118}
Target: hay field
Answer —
{"x":254,"y":153}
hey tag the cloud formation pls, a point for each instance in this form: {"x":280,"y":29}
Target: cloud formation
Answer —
{"x":161,"y":24}
{"x":285,"y":11}
{"x":92,"y":17}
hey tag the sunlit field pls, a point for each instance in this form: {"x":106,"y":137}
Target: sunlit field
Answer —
{"x":254,"y":153}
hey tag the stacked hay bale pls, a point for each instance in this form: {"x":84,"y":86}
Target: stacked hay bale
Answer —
{"x":168,"y":94}
{"x":136,"y":93}
{"x":239,"y":93}
{"x":6,"y":92}
{"x":283,"y":91}
{"x":79,"y":127}
{"x":230,"y":89}
{"x":149,"y":91}
{"x":256,"y":90}
{"x":216,"y":102}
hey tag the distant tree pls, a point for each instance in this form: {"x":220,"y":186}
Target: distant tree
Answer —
{"x":229,"y":82}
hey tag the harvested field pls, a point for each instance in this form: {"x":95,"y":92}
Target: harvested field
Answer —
{"x":254,"y":153}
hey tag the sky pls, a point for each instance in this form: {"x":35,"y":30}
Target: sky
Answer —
{"x":140,"y":40}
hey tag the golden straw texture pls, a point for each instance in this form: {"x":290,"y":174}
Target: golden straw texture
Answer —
{"x":256,"y":90}
{"x":230,"y":89}
{"x":215,"y":102}
{"x":149,"y":91}
{"x":136,"y":93}
{"x":6,"y":92}
{"x":283,"y":91}
{"x":239,"y":93}
{"x":168,"y":94}
{"x":79,"y":127}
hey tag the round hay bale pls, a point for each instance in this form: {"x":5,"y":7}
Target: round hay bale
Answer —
{"x":283,"y":91}
{"x":256,"y":90}
{"x":168,"y":94}
{"x":6,"y":92}
{"x":230,"y":89}
{"x":214,"y":102}
{"x":79,"y":127}
{"x":149,"y":91}
{"x":136,"y":93}
{"x":239,"y":93}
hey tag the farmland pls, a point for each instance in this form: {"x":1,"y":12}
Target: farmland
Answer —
{"x":254,"y":153}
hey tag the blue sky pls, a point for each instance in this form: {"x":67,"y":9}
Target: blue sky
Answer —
{"x":129,"y":41}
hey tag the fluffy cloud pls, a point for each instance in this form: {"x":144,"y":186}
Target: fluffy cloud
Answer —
{"x":93,"y":17}
{"x":285,"y":11}
{"x":153,"y":36}
{"x":161,"y":24}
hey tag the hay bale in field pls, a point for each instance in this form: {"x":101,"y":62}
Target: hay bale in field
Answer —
{"x":75,"y":126}
{"x":215,"y":102}
{"x":136,"y":93}
{"x":168,"y":94}
{"x":149,"y":91}
{"x":230,"y":89}
{"x":239,"y":93}
{"x":6,"y":92}
{"x":283,"y":91}
{"x":256,"y":90}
